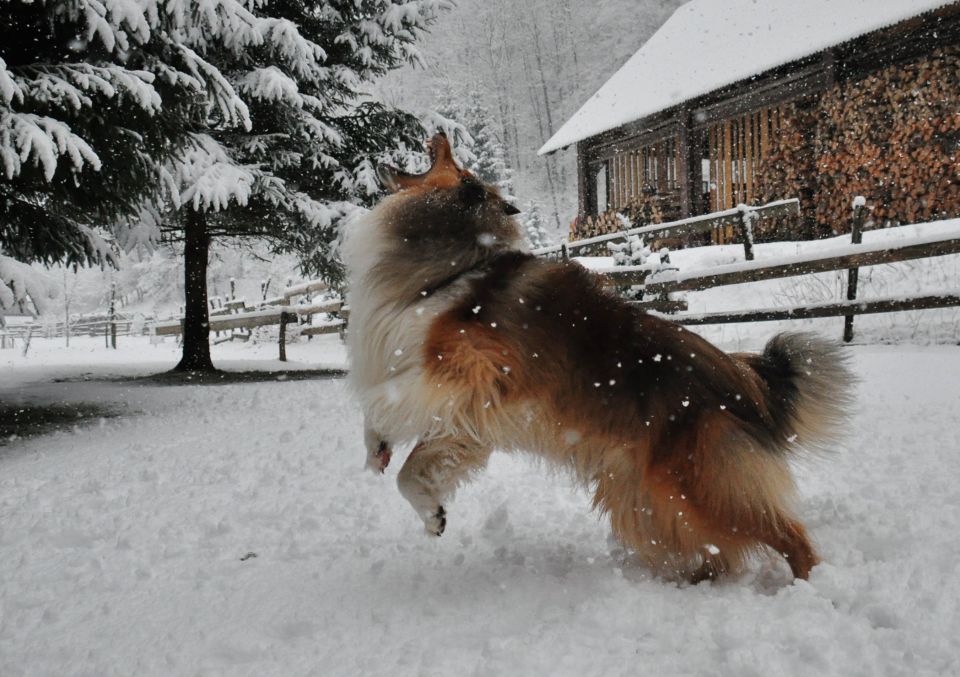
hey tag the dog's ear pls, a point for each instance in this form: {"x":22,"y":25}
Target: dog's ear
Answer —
{"x":394,"y":180}
{"x":443,"y":172}
{"x":389,"y":177}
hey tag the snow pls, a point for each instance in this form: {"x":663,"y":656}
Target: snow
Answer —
{"x":232,"y":529}
{"x":948,"y":230}
{"x":42,"y":140}
{"x":708,"y":44}
{"x":23,"y":285}
{"x":126,"y":547}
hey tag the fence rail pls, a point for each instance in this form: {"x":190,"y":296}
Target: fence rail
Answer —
{"x":839,"y":258}
{"x":829,"y":309}
{"x":236,"y":315}
{"x":657,"y":281}
{"x":740,"y":216}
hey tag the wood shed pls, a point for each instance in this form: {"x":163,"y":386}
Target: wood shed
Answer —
{"x":739,"y":101}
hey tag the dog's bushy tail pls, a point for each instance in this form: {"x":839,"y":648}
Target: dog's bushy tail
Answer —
{"x":810,"y":390}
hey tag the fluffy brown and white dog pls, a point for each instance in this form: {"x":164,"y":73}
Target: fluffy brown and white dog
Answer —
{"x":464,"y":343}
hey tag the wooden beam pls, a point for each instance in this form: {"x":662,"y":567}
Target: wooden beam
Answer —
{"x":695,"y":224}
{"x":330,"y":328}
{"x":304,"y":288}
{"x":727,"y":170}
{"x":838,"y":309}
{"x":755,"y":271}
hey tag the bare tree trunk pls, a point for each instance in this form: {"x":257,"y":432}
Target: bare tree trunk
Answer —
{"x":551,"y":181}
{"x":66,"y":308}
{"x":196,"y":320}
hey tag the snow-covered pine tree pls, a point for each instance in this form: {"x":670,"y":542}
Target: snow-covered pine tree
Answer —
{"x":95,"y":97}
{"x":308,"y":157}
{"x":534,"y":226}
{"x":488,"y":160}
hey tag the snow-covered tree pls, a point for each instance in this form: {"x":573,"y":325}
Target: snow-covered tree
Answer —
{"x":488,"y":161}
{"x":24,"y":289}
{"x":95,"y":95}
{"x":306,"y":156}
{"x":534,"y":226}
{"x":200,"y":118}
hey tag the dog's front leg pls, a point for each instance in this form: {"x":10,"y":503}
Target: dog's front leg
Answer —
{"x":379,"y":449}
{"x":432,"y":473}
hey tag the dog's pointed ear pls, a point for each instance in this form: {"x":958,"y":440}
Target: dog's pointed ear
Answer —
{"x":509,"y":209}
{"x":394,"y":180}
{"x":443,"y":172}
{"x":441,"y":154}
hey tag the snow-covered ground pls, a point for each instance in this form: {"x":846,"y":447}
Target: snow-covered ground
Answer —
{"x":231,"y":530}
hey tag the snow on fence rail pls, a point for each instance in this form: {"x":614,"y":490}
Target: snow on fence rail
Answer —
{"x":838,"y":258}
{"x":657,"y":282}
{"x":741,"y":216}
{"x":235,"y":314}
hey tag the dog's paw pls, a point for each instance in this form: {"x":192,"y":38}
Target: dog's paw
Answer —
{"x":380,"y":459}
{"x":436,"y":522}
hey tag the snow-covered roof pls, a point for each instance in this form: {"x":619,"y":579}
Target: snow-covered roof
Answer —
{"x":708,"y":44}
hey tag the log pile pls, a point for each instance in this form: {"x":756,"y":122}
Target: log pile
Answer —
{"x":892,"y":136}
{"x":641,"y":210}
{"x":787,"y":168}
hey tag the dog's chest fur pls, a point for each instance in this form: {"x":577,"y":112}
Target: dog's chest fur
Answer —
{"x":386,"y":342}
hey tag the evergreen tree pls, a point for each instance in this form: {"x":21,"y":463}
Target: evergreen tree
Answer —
{"x":309,"y":156}
{"x":535,"y":227}
{"x":201,"y":119}
{"x":95,"y":96}
{"x":487,"y":159}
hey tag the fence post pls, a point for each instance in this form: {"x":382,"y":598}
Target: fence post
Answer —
{"x":745,"y":226}
{"x":113,"y":314}
{"x":564,"y":256}
{"x":853,"y":274}
{"x":284,"y":318}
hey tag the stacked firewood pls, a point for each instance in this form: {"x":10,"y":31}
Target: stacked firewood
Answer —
{"x":640,"y":210}
{"x":892,"y":137}
{"x":788,"y":169}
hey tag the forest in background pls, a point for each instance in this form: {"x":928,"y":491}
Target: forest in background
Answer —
{"x":530,"y":66}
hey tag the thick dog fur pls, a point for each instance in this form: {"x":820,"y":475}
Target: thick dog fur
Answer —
{"x":463,"y":343}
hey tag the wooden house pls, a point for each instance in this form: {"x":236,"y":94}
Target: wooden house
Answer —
{"x":740,"y":101}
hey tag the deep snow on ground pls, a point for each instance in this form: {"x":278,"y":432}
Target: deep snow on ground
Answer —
{"x":125,"y":546}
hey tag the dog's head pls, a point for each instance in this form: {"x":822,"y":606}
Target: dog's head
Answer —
{"x":444,"y":174}
{"x":448,"y":204}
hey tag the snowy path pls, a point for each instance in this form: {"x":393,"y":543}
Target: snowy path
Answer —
{"x":121,"y":546}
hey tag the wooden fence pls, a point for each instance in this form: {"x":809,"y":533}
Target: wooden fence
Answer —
{"x":655,"y":281}
{"x":658,"y":282}
{"x":236,"y":315}
{"x":740,"y":217}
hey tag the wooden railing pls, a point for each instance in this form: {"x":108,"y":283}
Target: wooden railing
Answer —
{"x":740,"y":217}
{"x":658,"y":282}
{"x":235,"y":315}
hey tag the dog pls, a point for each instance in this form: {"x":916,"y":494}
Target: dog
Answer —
{"x":462,"y":342}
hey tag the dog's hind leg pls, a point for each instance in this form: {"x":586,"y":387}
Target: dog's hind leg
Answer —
{"x":432,"y":473}
{"x":789,"y":538}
